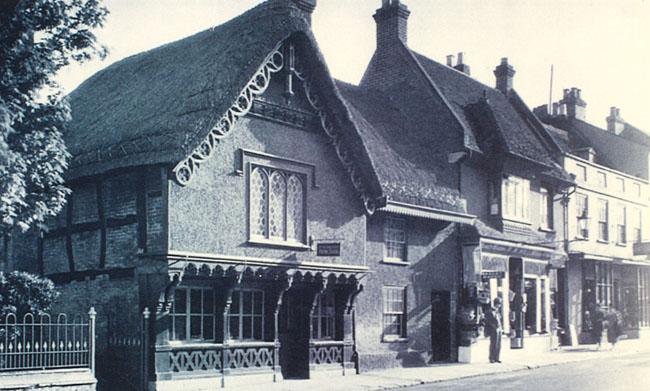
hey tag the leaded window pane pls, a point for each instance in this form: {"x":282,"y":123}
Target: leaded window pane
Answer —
{"x":277,"y":202}
{"x":258,"y":202}
{"x":295,"y":205}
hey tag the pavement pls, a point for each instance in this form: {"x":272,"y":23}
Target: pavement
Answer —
{"x":519,"y":360}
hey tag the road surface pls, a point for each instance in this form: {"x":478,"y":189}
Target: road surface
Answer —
{"x":630,"y":372}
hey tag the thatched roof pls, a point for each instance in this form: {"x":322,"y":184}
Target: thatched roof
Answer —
{"x":157,"y":106}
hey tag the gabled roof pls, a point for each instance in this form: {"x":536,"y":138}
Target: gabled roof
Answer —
{"x":161,"y":106}
{"x":404,"y":165}
{"x":500,"y":119}
{"x":612,"y":150}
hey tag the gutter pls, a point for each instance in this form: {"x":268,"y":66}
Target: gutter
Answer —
{"x":407,"y":209}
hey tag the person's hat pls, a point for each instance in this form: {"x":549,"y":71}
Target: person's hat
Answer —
{"x":497,"y":300}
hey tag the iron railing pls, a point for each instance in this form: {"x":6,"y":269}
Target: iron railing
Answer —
{"x":41,"y":342}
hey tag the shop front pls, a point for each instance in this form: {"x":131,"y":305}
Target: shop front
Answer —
{"x":524,"y":277}
{"x":221,"y":324}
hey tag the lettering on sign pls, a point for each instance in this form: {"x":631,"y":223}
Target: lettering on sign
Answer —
{"x":328,"y":249}
{"x":488,"y":275}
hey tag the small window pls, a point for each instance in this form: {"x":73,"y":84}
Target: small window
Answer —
{"x":603,"y":220}
{"x":193,"y":314}
{"x":582,"y":211}
{"x":246,"y":317}
{"x":394,"y":312}
{"x":322,"y":320}
{"x":602,"y":179}
{"x":545,"y":208}
{"x":277,"y":206}
{"x":637,"y":189}
{"x":395,"y":239}
{"x":621,"y":224}
{"x":581,"y":172}
{"x":620,"y":184}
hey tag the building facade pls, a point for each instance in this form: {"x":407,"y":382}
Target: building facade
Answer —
{"x":606,"y":219}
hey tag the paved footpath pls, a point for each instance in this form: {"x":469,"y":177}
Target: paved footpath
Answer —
{"x":404,"y":377}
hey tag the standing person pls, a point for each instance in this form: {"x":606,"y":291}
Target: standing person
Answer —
{"x":597,"y":323}
{"x":494,"y":329}
{"x":614,"y":326}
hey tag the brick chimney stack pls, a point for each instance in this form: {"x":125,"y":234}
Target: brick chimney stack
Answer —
{"x":306,"y":6}
{"x":391,"y":21}
{"x":615,"y":122}
{"x":504,"y":73}
{"x":460,"y":65}
{"x":575,"y":106}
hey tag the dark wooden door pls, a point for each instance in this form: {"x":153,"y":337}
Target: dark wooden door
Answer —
{"x":440,"y":325}
{"x":294,"y":335}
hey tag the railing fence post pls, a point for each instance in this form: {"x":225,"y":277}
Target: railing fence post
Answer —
{"x":91,"y":338}
{"x":144,"y":337}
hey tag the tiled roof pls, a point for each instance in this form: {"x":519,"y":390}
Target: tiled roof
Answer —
{"x":489,"y":113}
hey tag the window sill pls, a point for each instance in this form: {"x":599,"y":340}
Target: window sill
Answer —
{"x":275,"y":243}
{"x":394,"y":338}
{"x":602,"y":241}
{"x":621,"y":244}
{"x":391,"y":261}
{"x":580,"y":239}
{"x":547,"y":230}
{"x":516,"y":220}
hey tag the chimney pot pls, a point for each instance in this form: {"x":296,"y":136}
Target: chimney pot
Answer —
{"x":460,"y":58}
{"x":460,"y":65}
{"x":615,"y":122}
{"x":450,"y":60}
{"x":504,"y":73}
{"x":575,"y":106}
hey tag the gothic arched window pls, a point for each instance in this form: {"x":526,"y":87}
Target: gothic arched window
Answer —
{"x":277,"y":205}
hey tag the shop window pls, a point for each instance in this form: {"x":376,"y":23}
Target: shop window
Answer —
{"x":193,"y":314}
{"x":277,"y":206}
{"x":603,"y":220}
{"x":394,"y":312}
{"x":323,"y":318}
{"x":621,"y":224}
{"x":515,"y":193}
{"x":604,"y":285}
{"x":246,"y":317}
{"x":582,"y":211}
{"x":643,"y":276}
{"x":395,"y":239}
{"x":545,"y":208}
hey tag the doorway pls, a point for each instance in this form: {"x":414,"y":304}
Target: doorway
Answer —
{"x":440,"y":325}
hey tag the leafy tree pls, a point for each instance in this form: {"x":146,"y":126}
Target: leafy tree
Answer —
{"x":22,"y":292}
{"x":37,"y":39}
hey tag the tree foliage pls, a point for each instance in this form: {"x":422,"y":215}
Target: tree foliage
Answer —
{"x":22,"y":292}
{"x":37,"y":39}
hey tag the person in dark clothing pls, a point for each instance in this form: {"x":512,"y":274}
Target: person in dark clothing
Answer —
{"x":597,"y":323}
{"x":494,"y":329}
{"x":614,"y":326}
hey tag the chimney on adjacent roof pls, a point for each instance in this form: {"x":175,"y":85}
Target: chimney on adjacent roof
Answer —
{"x":391,"y":21}
{"x":450,"y":60}
{"x":575,"y":106}
{"x":460,"y":65}
{"x":615,"y":122}
{"x":504,"y":73}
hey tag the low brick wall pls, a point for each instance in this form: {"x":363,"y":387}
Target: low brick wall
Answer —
{"x":51,"y":380}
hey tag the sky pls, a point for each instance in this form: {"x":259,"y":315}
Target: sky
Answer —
{"x":599,"y":46}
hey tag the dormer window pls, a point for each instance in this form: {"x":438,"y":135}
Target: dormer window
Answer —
{"x":514,"y":198}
